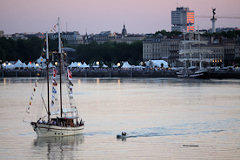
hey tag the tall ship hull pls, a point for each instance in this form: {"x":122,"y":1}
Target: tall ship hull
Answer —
{"x":48,"y":130}
{"x":200,"y":74}
{"x":194,"y":54}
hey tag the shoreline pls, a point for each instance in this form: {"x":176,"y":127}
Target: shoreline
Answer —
{"x":118,"y":73}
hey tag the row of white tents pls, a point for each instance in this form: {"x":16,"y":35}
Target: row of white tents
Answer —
{"x":40,"y":63}
{"x":20,"y":64}
{"x":125,"y":65}
{"x":149,"y":64}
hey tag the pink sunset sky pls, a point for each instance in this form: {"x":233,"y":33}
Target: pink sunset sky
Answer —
{"x":94,"y":16}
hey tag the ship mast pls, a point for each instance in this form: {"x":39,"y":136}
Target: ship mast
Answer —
{"x":47,"y":57}
{"x":60,"y":64}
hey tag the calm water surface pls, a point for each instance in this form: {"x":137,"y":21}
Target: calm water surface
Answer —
{"x":166,"y":119}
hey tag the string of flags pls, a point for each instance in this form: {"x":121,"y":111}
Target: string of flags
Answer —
{"x":70,"y":85}
{"x":54,"y":91}
{"x":32,"y":97}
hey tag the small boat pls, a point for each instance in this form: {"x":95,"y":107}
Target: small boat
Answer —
{"x":65,"y":121}
{"x":200,"y":74}
{"x":122,"y":136}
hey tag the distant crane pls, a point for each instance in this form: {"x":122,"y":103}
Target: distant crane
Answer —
{"x":213,"y":19}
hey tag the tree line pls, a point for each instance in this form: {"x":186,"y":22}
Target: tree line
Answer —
{"x":25,"y":50}
{"x":108,"y":52}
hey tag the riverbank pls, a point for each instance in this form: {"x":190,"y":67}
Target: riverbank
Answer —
{"x":92,"y":73}
{"x":221,"y":74}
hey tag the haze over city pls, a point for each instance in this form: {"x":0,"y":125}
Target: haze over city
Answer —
{"x":94,"y":16}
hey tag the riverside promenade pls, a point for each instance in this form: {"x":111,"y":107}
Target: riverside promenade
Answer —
{"x":220,"y":74}
{"x":91,"y":73}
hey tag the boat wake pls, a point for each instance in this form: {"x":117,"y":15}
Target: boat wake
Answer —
{"x":155,"y":131}
{"x":185,"y":129}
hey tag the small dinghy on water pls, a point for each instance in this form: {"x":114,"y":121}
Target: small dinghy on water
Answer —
{"x":121,"y":136}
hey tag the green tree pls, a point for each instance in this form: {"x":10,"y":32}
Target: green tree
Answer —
{"x":109,"y":52}
{"x":26,"y":50}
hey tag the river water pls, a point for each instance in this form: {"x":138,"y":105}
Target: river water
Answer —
{"x":165,"y":119}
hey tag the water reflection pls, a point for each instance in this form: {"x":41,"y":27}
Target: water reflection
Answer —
{"x":10,"y":81}
{"x":58,"y":147}
{"x":118,"y":82}
{"x":79,"y":82}
{"x":98,"y":81}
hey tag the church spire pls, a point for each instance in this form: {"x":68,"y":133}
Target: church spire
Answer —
{"x":124,"y":31}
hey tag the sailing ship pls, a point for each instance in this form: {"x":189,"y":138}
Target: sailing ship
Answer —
{"x":64,"y":121}
{"x":193,"y":52}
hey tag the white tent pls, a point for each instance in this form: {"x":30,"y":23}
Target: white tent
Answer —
{"x":84,"y":65}
{"x":95,"y":66}
{"x":139,"y":67}
{"x":157,"y":63}
{"x":24,"y":65}
{"x":104,"y":66}
{"x":41,"y":60}
{"x":126,"y":65}
{"x":72,"y":65}
{"x":30,"y":65}
{"x":9,"y":66}
{"x":114,"y":66}
{"x":51,"y":65}
{"x":76,"y":64}
{"x":18,"y":64}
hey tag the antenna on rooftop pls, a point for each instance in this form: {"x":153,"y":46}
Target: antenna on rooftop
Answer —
{"x":66,"y":27}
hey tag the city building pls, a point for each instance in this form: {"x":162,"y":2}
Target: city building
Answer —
{"x":102,"y":37}
{"x":237,"y":51}
{"x":22,"y":36}
{"x":71,"y":38}
{"x":231,"y":47}
{"x":107,"y":36}
{"x":1,"y":33}
{"x":217,"y":53}
{"x":229,"y":53}
{"x":161,"y":48}
{"x":182,"y":20}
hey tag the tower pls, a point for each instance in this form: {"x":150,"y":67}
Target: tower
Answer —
{"x":182,"y":20}
{"x":124,"y":31}
{"x":213,"y":19}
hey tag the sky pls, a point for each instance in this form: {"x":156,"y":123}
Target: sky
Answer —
{"x":94,"y":16}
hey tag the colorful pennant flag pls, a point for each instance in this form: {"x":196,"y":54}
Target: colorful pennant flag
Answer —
{"x":54,"y":73}
{"x":54,"y":82}
{"x":54,"y":90}
{"x":69,"y":74}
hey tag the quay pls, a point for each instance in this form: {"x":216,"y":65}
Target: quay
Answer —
{"x":92,"y":73}
{"x":147,"y":73}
